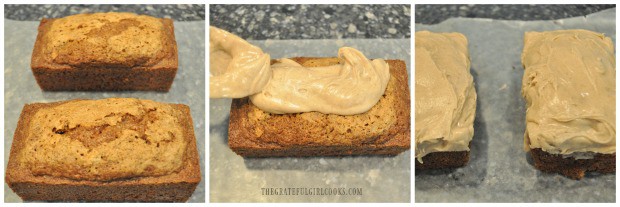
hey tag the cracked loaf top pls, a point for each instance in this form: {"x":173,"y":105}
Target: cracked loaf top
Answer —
{"x":107,"y":39}
{"x":105,"y":139}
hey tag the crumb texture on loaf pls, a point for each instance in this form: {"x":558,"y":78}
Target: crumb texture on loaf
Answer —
{"x":316,"y":129}
{"x":105,"y":139}
{"x":105,"y":39}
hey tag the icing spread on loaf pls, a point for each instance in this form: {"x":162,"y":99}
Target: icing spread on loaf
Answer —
{"x":107,"y":39}
{"x":445,"y":98}
{"x":105,"y":139}
{"x":570,"y":89}
{"x":352,"y":86}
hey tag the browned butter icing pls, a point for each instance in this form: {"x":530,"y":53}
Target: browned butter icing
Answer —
{"x":105,"y":139}
{"x":236,"y":68}
{"x":239,"y":69}
{"x":351,"y":87}
{"x":569,"y":87}
{"x":445,"y":98}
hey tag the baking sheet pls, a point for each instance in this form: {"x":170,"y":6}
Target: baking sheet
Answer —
{"x":235,"y":179}
{"x":20,"y":86}
{"x":499,"y":170}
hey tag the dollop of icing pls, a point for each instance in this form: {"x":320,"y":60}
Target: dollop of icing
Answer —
{"x":351,"y":87}
{"x":236,"y":68}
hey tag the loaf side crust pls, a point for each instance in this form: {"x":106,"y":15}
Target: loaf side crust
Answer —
{"x":176,"y":187}
{"x":571,"y":167}
{"x":294,"y":137}
{"x":440,"y":160}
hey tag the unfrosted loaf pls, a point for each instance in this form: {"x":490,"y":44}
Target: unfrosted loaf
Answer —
{"x":105,"y":51}
{"x":118,"y":149}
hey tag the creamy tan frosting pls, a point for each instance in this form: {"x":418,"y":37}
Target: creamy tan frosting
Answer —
{"x":445,"y":98}
{"x":351,"y":87}
{"x":239,"y":69}
{"x":569,"y":86}
{"x":236,"y":68}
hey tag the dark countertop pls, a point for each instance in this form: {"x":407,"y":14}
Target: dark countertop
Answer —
{"x":316,"y":21}
{"x":260,"y":22}
{"x":433,"y":14}
{"x":177,"y":12}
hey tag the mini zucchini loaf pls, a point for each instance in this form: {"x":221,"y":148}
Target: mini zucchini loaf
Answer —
{"x":382,"y":130}
{"x":113,"y":150}
{"x":569,"y":86}
{"x":105,"y":52}
{"x":445,"y":103}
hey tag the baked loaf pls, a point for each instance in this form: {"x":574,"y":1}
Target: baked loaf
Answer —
{"x":117,"y":149}
{"x":445,"y":104}
{"x":383,"y":130}
{"x":105,"y":52}
{"x":569,"y":86}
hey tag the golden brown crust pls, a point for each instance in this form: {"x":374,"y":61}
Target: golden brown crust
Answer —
{"x":253,"y":133}
{"x":156,"y":74}
{"x":176,"y":187}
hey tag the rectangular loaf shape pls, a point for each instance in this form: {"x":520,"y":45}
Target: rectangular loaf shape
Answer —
{"x":569,"y":88}
{"x":445,"y":100}
{"x":112,"y":150}
{"x":255,"y":133}
{"x":105,"y":52}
